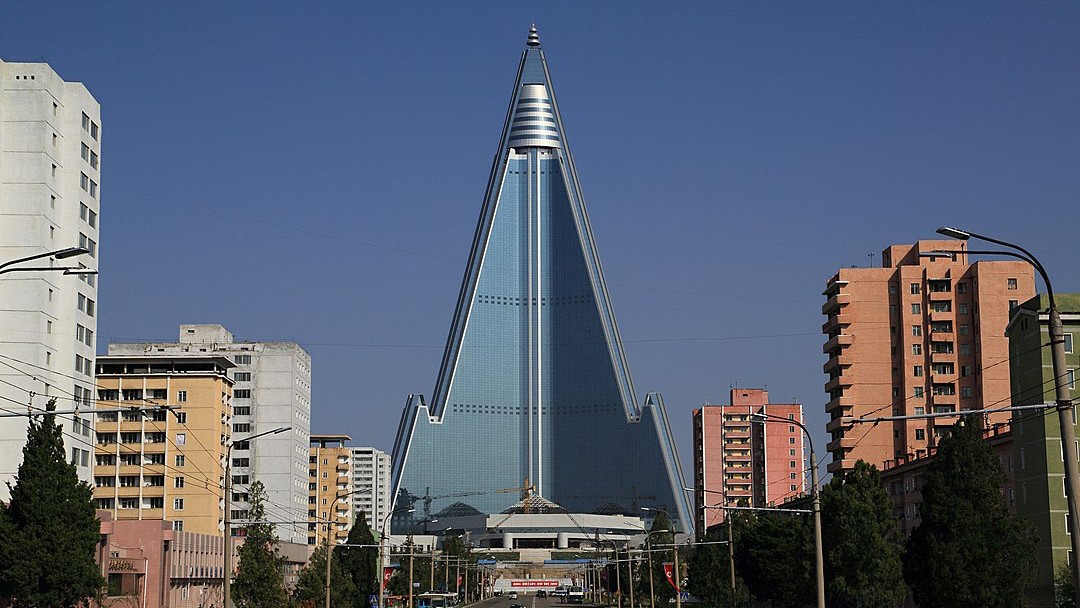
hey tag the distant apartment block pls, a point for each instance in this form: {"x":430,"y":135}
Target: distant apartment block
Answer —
{"x":1038,"y":460}
{"x":918,"y":335}
{"x":153,"y":463}
{"x":371,"y":484}
{"x":740,"y":462}
{"x":272,"y":389}
{"x":329,"y":488}
{"x":50,"y":161}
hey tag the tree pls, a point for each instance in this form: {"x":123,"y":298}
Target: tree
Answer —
{"x":1063,"y":586}
{"x":775,"y":556}
{"x":968,"y":550}
{"x":259,"y":580}
{"x":49,"y":527}
{"x":709,"y":571}
{"x":862,"y":546}
{"x":361,"y":564}
{"x":311,"y":585}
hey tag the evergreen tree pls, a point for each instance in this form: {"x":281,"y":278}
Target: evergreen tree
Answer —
{"x":311,"y":584}
{"x":49,"y":531}
{"x":968,"y":550}
{"x":862,"y":546}
{"x":259,"y":580}
{"x":361,"y":564}
{"x":774,"y":553}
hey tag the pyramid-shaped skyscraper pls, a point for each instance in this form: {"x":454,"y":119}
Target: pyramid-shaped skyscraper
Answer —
{"x":534,"y":389}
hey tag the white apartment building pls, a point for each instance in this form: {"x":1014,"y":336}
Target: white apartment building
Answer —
{"x":371,"y":482}
{"x":271,"y":389}
{"x":50,"y":160}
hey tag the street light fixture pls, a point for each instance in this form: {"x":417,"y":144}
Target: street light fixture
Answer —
{"x":675,"y":561}
{"x":329,"y":542}
{"x":59,"y":254}
{"x":1063,"y":400}
{"x":819,"y":561}
{"x":382,"y":549}
{"x":648,"y":553}
{"x":228,"y":507}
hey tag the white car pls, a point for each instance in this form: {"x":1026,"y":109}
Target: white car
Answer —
{"x":513,"y":595}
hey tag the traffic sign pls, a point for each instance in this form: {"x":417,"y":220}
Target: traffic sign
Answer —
{"x":684,"y":596}
{"x":373,"y":600}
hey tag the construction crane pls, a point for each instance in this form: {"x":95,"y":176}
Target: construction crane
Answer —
{"x":427,"y":498}
{"x":526,"y":490}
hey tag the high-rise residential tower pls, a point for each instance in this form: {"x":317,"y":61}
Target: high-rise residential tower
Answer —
{"x":271,"y":389}
{"x":50,"y":160}
{"x":166,"y":464}
{"x":741,"y":461}
{"x":371,"y":484}
{"x":925,"y":333}
{"x":534,"y":395}
{"x":330,"y":477}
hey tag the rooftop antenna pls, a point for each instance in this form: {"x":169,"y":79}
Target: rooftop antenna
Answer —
{"x":534,"y":36}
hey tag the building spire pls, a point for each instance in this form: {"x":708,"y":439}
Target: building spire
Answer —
{"x":534,"y":37}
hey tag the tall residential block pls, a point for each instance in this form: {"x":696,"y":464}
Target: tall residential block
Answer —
{"x":272,"y":389}
{"x":371,"y":484}
{"x":156,"y":463}
{"x":923,"y":333}
{"x":1038,"y":462}
{"x":534,"y":391}
{"x":50,"y":160}
{"x":329,"y":488}
{"x":740,"y":460}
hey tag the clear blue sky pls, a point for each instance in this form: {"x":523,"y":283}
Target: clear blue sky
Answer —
{"x":313,"y":170}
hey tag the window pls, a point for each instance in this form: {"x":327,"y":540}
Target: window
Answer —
{"x":916,"y":308}
{"x":242,"y":376}
{"x":1012,"y":284}
{"x":791,"y":463}
{"x":241,"y":462}
{"x":961,"y":308}
{"x":918,"y":391}
{"x":92,"y":219}
{"x":1068,"y":342}
{"x":791,"y":475}
{"x":84,"y":180}
{"x":965,"y":371}
{"x":324,"y":474}
{"x":181,"y":417}
{"x":792,"y":488}
{"x":791,"y":452}
{"x":242,"y":393}
{"x":242,"y":445}
{"x":961,"y":288}
{"x":916,"y":330}
{"x":178,"y":525}
{"x":178,"y":504}
{"x":84,"y":151}
{"x":85,"y":122}
{"x":93,"y":189}
{"x":93,"y":159}
{"x":178,"y":482}
{"x":919,"y":411}
{"x":243,"y":427}
{"x":1013,"y":304}
{"x":181,"y":396}
{"x":920,"y":435}
{"x":916,"y":349}
{"x":93,"y":129}
{"x":242,"y":410}
{"x":242,"y":359}
{"x":790,"y":440}
{"x":181,"y":438}
{"x":180,"y":460}
{"x":965,"y":348}
{"x":918,"y":370}
{"x":916,"y":289}
{"x":964,"y":330}
{"x":1070,"y":377}
{"x":965,"y":392}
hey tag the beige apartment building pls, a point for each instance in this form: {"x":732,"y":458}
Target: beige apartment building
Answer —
{"x":152,"y":463}
{"x":921,"y":334}
{"x":329,"y":488}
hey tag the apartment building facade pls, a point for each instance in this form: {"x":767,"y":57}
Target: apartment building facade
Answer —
{"x":50,"y":161}
{"x":272,"y":389}
{"x":371,"y":485}
{"x":163,"y":463}
{"x":748,"y":452}
{"x":330,"y":514}
{"x":1040,"y":466}
{"x":924,"y":333}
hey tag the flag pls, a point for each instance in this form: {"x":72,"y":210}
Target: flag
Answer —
{"x":386,"y":574}
{"x":669,"y":574}
{"x":459,"y":580}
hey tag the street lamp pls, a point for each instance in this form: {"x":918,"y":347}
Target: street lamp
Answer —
{"x":1061,"y":387}
{"x":382,"y":550}
{"x":674,"y":549}
{"x":59,"y":254}
{"x":329,"y":542}
{"x":228,"y":507}
{"x":412,"y":546}
{"x":648,"y":553}
{"x":819,"y":562}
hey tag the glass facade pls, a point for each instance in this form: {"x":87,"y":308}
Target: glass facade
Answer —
{"x":534,"y":391}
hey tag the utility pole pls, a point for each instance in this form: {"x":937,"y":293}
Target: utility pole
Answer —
{"x":730,"y":549}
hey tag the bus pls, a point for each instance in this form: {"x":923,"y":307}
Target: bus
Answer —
{"x":575,"y":595}
{"x":434,"y":599}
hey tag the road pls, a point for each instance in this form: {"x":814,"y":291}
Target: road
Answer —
{"x":528,"y":601}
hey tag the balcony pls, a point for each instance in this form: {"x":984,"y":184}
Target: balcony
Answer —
{"x":940,"y":296}
{"x":845,"y":443}
{"x":835,"y":425}
{"x":844,"y":402}
{"x":836,"y":383}
{"x":737,"y":482}
{"x":942,"y":357}
{"x":842,"y":340}
{"x":836,"y":301}
{"x":941,"y":316}
{"x":342,"y":466}
{"x":838,"y":361}
{"x":737,"y":432}
{"x":943,"y":377}
{"x":735,"y":456}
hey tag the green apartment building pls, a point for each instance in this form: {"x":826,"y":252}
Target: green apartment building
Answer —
{"x":1040,"y":472}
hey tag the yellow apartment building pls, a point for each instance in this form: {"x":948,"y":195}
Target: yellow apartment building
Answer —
{"x":152,"y":463}
{"x":329,"y":485}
